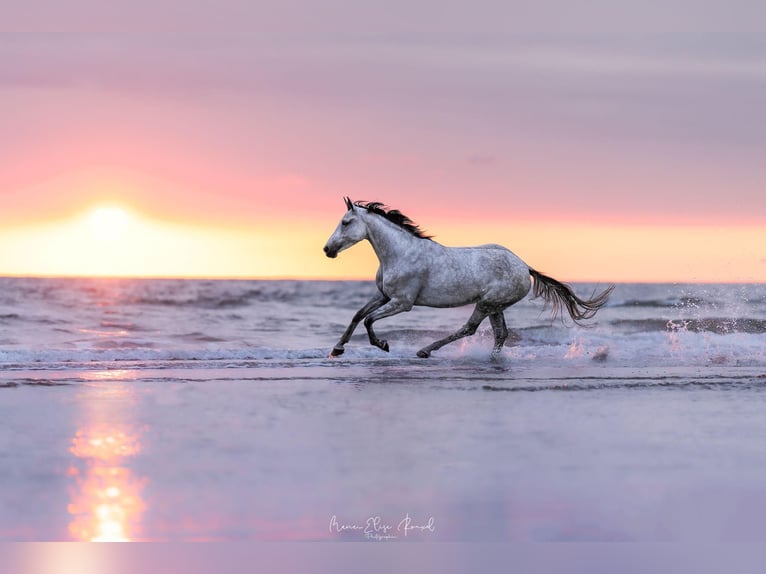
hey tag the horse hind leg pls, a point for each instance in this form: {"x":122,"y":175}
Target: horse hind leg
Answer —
{"x":500,"y":330}
{"x":466,"y":330}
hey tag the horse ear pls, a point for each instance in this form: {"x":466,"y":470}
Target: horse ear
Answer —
{"x":349,"y":203}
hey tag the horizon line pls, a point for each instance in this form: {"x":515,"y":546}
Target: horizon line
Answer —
{"x":339,"y":279}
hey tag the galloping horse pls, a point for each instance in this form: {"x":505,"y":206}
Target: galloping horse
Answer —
{"x":416,"y":270}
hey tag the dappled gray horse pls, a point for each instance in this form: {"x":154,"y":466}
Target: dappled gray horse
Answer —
{"x":415,"y":270}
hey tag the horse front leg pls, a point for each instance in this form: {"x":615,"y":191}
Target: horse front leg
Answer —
{"x":371,"y":306}
{"x":469,"y":328}
{"x":393,"y":307}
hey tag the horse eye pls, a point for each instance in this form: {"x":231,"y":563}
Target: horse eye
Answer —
{"x":345,"y":222}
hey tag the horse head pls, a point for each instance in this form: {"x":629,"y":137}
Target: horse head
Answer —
{"x":350,"y":231}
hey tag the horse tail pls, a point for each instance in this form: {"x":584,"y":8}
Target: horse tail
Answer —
{"x":560,"y":295}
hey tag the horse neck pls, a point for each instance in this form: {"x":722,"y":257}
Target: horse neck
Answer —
{"x":388,"y":240}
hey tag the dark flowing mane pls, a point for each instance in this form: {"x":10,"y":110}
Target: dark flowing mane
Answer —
{"x":394,"y":216}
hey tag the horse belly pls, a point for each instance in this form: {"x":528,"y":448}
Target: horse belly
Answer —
{"x":452,"y":295}
{"x":452,"y":286}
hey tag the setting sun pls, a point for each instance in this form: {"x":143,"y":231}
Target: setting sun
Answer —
{"x":109,"y":223}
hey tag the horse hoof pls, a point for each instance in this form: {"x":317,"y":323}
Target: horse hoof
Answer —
{"x":423,"y":354}
{"x":384,"y":345}
{"x":337,"y":351}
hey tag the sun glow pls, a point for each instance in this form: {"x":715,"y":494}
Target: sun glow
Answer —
{"x":108,"y":240}
{"x":117,"y":240}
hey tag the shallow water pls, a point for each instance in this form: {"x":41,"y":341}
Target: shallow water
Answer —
{"x":187,"y":410}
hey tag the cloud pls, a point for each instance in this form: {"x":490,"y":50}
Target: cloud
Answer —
{"x":123,"y":62}
{"x":668,"y":64}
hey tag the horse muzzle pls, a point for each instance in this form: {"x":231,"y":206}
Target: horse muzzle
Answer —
{"x":331,"y":253}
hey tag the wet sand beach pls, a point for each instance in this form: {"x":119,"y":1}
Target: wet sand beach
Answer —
{"x":383,"y":450}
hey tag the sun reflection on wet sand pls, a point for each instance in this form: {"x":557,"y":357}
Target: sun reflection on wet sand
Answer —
{"x":110,"y":375}
{"x":106,"y":504}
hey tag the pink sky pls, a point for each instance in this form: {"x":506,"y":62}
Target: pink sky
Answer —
{"x":500,"y":118}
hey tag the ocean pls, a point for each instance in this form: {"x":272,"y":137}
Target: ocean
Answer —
{"x":143,"y":409}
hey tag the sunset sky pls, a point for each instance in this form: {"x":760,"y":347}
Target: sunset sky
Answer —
{"x":608,"y":141}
